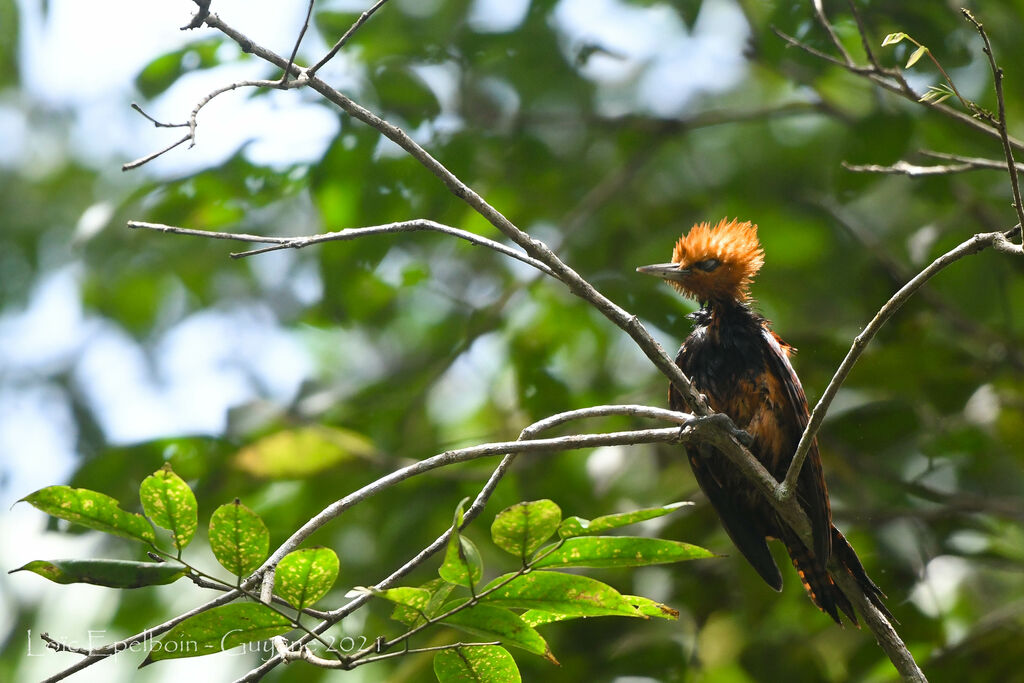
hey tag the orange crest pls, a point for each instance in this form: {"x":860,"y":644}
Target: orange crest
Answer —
{"x":735,"y":248}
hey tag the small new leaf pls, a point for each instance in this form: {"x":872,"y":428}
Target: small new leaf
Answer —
{"x":893,"y":38}
{"x":239,"y":538}
{"x":170,"y":503}
{"x":915,"y":56}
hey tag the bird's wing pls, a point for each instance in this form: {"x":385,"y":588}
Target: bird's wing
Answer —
{"x":741,"y":526}
{"x":811,"y":489}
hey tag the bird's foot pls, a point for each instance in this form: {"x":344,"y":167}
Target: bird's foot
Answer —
{"x":724,"y":422}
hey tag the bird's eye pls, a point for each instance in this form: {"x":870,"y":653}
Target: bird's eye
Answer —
{"x":707,"y":265}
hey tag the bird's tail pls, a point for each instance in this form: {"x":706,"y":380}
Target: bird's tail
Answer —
{"x":819,"y":585}
{"x":844,"y":554}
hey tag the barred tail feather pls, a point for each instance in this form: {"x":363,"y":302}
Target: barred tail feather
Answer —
{"x":845,"y":555}
{"x":819,"y":585}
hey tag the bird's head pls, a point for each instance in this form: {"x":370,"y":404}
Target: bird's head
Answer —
{"x":713,"y":263}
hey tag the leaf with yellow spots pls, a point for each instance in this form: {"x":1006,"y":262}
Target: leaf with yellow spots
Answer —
{"x":91,"y":509}
{"x":304,"y":576}
{"x":239,"y":538}
{"x":619,"y":551}
{"x":170,"y":503}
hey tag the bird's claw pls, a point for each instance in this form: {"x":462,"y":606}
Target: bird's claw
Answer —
{"x":724,"y":422}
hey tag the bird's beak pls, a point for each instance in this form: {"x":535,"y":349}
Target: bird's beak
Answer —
{"x":666,"y":271}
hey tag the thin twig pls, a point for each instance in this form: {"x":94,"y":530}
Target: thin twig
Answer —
{"x":978,"y":162}
{"x":149,"y":157}
{"x":899,"y":273}
{"x":996,"y":240}
{"x":537,"y":249}
{"x":819,"y":9}
{"x":913,"y":170}
{"x":864,"y":40}
{"x":1000,"y":120}
{"x":158,"y":124}
{"x":895,"y":83}
{"x":961,"y":164}
{"x":298,"y":42}
{"x":345,"y":38}
{"x":192,"y":124}
{"x":415,"y":225}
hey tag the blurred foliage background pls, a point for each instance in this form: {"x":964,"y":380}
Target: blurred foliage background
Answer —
{"x":605,"y":129}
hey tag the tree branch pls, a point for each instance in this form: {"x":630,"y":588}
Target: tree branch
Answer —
{"x":996,"y":240}
{"x":415,"y":225}
{"x":1000,"y":119}
{"x":535,"y":248}
{"x":345,"y":38}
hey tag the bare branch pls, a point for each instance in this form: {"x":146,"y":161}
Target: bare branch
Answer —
{"x":914,"y":171}
{"x":864,"y":40}
{"x":1000,"y":119}
{"x":415,"y":225}
{"x":345,"y":38}
{"x":961,"y":164}
{"x":149,"y":157}
{"x":158,"y":124}
{"x":899,"y":273}
{"x":535,"y":248}
{"x":820,"y":11}
{"x":298,"y":42}
{"x":894,"y":82}
{"x":996,"y":240}
{"x":977,"y":162}
{"x":191,"y":124}
{"x":200,"y":15}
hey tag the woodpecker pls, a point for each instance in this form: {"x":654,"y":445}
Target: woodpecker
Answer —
{"x":735,"y":359}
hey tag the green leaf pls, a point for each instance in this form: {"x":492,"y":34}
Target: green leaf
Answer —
{"x":619,"y":551}
{"x":893,"y":38}
{"x":577,"y":526}
{"x":109,"y":573}
{"x":91,"y":509}
{"x":239,"y":538}
{"x":646,"y":607}
{"x":303,"y":452}
{"x":439,"y":590}
{"x":523,"y":527}
{"x":497,"y":623}
{"x":462,"y":563}
{"x":482,"y":664}
{"x":650,"y":608}
{"x":304,"y":576}
{"x":568,"y":594}
{"x":413,"y":598}
{"x":219,"y":629}
{"x":916,"y":55}
{"x":170,"y":503}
